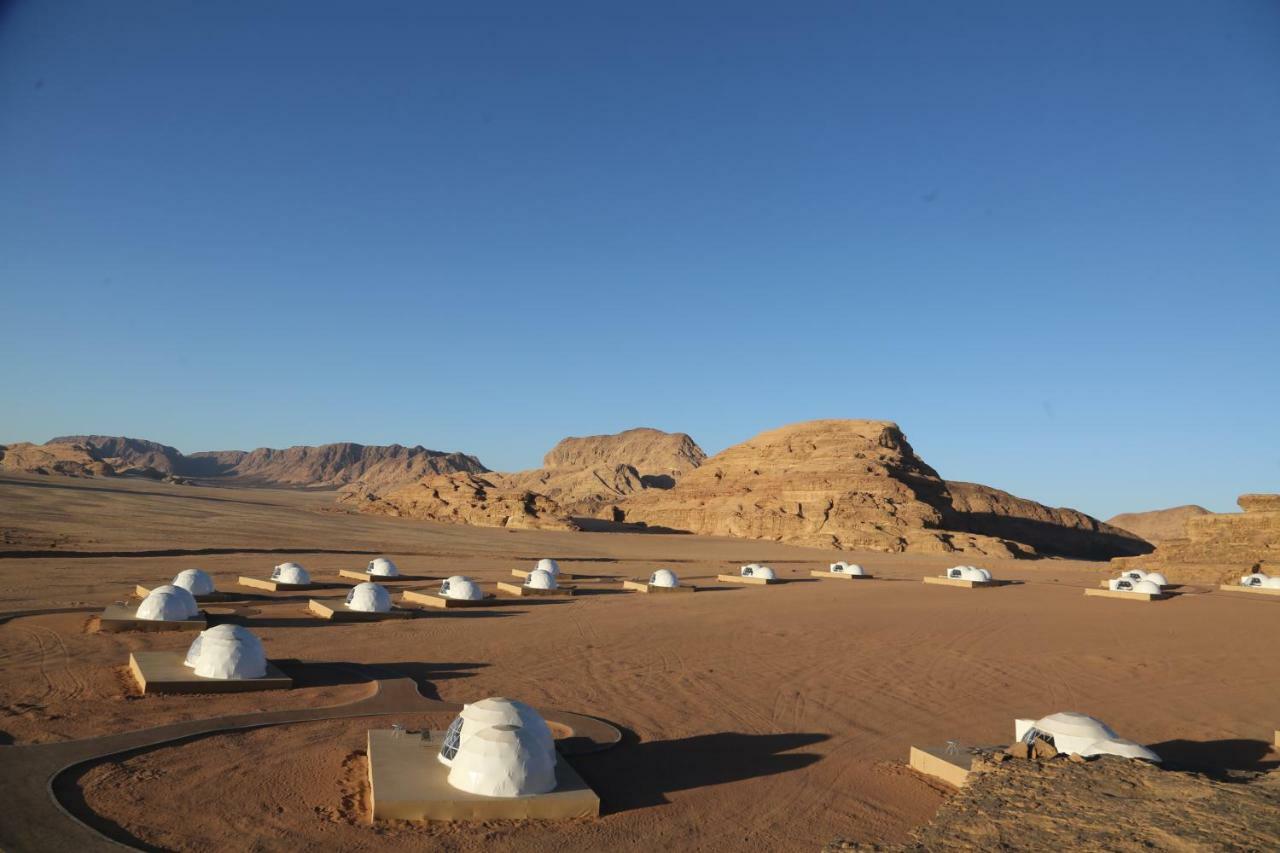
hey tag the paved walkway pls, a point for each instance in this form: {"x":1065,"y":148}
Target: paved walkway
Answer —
{"x":34,"y":820}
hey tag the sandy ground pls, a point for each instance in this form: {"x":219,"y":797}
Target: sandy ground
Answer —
{"x":775,"y":718}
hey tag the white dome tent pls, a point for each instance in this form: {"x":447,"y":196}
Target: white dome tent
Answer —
{"x":195,"y":581}
{"x":368,"y":598}
{"x":291,"y":573}
{"x":227,"y":652}
{"x":969,"y":573}
{"x":1156,"y":578}
{"x":461,"y":588}
{"x":755,"y":570}
{"x":494,"y":711}
{"x":1254,"y":579}
{"x":168,"y":603}
{"x":500,"y":748}
{"x":664,"y":578}
{"x":383,"y":568}
{"x":1072,"y":732}
{"x":843,"y":568}
{"x":539,"y":579}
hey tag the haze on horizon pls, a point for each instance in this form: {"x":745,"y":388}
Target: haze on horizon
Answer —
{"x":1041,"y":239}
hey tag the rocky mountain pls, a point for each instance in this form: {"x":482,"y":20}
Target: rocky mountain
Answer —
{"x":68,"y":459}
{"x":1049,"y":530}
{"x":462,"y":498}
{"x":859,"y":485}
{"x":325,"y":466}
{"x":1220,"y":547}
{"x":1158,"y":525}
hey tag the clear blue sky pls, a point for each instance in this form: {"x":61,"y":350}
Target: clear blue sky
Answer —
{"x":1045,"y":238}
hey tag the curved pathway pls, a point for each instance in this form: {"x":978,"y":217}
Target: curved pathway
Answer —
{"x":35,"y":820}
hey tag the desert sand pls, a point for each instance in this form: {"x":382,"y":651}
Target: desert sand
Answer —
{"x":755,"y":718}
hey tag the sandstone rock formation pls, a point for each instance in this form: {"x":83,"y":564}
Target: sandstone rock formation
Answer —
{"x":583,"y":474}
{"x":1220,"y":547}
{"x":462,"y":498}
{"x":1049,"y":530}
{"x":1158,"y":525}
{"x":68,"y":459}
{"x":858,"y":485}
{"x":130,"y":455}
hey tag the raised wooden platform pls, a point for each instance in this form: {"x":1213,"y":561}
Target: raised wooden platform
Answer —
{"x":143,"y":591}
{"x":645,"y":586}
{"x":164,"y":672}
{"x":522,"y":590}
{"x":1254,"y":590}
{"x":407,"y":782}
{"x":1126,"y":595}
{"x":840,"y":576}
{"x":949,"y":765}
{"x":277,"y":586}
{"x":964,"y":583}
{"x":124,"y":617}
{"x":752,"y":581}
{"x":435,"y":599}
{"x":335,"y":610}
{"x":354,"y":575}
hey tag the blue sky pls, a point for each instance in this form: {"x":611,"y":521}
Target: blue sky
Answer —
{"x":1041,"y":237}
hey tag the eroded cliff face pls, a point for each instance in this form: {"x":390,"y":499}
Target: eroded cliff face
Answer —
{"x":1220,"y":547}
{"x":69,"y":459}
{"x":462,"y":498}
{"x":847,"y":484}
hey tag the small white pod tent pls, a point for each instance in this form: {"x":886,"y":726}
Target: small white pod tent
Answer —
{"x":290,"y":573}
{"x":1156,"y":578}
{"x":195,"y":581}
{"x":503,"y":761}
{"x":755,"y":570}
{"x":494,"y":711}
{"x":548,"y":565}
{"x":168,"y":603}
{"x":539,"y":579}
{"x":664,"y":578}
{"x":461,"y":588}
{"x":1254,"y":579}
{"x":843,"y":568}
{"x":968,"y":573}
{"x":1073,"y":732}
{"x":368,"y":598}
{"x":228,"y":652}
{"x":383,"y":568}
{"x":1148,"y":586}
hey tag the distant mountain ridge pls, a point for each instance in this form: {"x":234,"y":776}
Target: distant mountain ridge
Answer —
{"x":302,"y":466}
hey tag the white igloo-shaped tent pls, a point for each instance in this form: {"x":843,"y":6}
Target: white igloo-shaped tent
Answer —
{"x":1256,"y":579}
{"x":228,"y":652}
{"x":968,"y":573}
{"x":1156,"y":578}
{"x":1071,"y":731}
{"x":842,"y":568}
{"x":290,"y":573}
{"x":168,"y":603}
{"x":755,"y":570}
{"x":503,"y":761}
{"x":461,"y":588}
{"x":195,"y":581}
{"x":664,"y":578}
{"x":383,"y":568}
{"x":539,"y":579}
{"x":494,"y":711}
{"x":548,"y":565}
{"x":368,"y":597}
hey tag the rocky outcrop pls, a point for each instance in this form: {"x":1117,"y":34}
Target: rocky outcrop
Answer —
{"x":1220,"y":547}
{"x":1158,"y":525}
{"x":462,"y":498}
{"x":1055,"y":531}
{"x":130,"y":455}
{"x":854,"y":485}
{"x":657,"y":456}
{"x":329,"y":465}
{"x":858,"y":485}
{"x":67,"y":458}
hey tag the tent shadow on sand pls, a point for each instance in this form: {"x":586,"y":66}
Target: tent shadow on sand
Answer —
{"x":637,"y":775}
{"x":1217,"y":758}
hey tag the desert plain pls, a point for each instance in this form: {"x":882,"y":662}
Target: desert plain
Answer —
{"x":753,"y":717}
